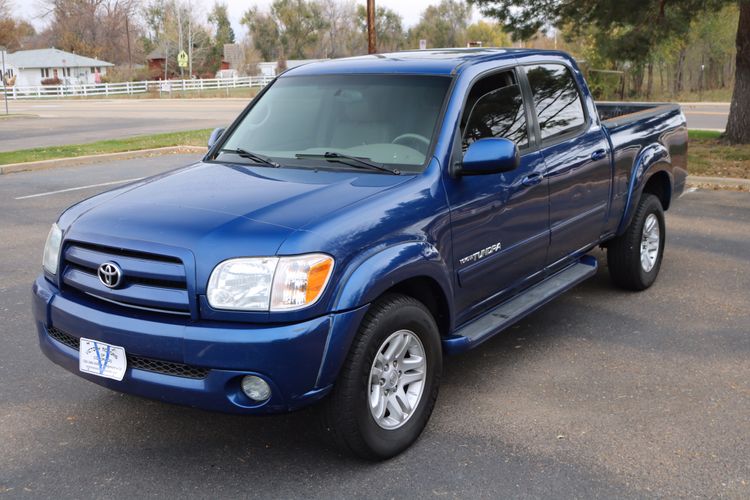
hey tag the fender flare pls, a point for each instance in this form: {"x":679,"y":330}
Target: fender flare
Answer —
{"x":651,"y":160}
{"x":367,"y":279}
{"x":376,"y":272}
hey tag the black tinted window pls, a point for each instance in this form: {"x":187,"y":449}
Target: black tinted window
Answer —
{"x":498,"y":113}
{"x":558,"y":104}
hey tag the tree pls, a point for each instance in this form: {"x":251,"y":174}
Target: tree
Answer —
{"x":342,"y":36}
{"x":264,"y":32}
{"x":297,"y":25}
{"x":630,"y":30}
{"x":389,"y":30}
{"x":489,"y":34}
{"x":223,"y":34}
{"x":95,"y":28}
{"x":220,"y":19}
{"x":738,"y":126}
{"x":165,"y":20}
{"x":13,"y":32}
{"x":443,"y":25}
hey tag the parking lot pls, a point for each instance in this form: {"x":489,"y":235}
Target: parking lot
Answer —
{"x":600,"y":393}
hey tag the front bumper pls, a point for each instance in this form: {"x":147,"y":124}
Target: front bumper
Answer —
{"x":299,"y":361}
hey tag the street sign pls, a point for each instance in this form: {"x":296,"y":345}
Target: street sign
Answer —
{"x":182,"y":59}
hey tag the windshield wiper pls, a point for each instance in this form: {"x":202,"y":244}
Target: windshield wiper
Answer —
{"x":353,"y":161}
{"x":244,"y":153}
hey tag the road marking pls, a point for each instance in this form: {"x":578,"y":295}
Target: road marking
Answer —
{"x":59,"y":191}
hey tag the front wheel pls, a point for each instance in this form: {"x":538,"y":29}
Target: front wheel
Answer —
{"x":388,"y":385}
{"x":634,"y":258}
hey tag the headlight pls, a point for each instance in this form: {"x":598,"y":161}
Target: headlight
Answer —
{"x":300,"y":281}
{"x":52,"y":249}
{"x":269,"y":283}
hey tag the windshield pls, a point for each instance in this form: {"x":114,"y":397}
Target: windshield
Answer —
{"x":388,"y":119}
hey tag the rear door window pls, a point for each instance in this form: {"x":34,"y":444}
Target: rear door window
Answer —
{"x":556,"y":99}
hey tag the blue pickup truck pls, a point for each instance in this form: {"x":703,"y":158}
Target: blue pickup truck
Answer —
{"x":361,"y":219}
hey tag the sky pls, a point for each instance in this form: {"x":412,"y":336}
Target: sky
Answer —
{"x":410,"y":10}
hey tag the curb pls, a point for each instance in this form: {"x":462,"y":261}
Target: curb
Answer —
{"x":719,"y":182}
{"x":83,"y":160}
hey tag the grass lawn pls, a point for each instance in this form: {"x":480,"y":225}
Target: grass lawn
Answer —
{"x":710,"y":156}
{"x":189,"y":138}
{"x":15,"y":115}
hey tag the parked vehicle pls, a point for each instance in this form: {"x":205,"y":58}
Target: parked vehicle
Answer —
{"x":361,"y":219}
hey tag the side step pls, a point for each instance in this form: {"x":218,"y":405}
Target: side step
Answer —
{"x":509,"y":312}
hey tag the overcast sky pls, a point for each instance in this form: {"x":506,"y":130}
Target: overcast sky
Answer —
{"x":409,"y":9}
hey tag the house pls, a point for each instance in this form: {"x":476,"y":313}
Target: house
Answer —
{"x":156,"y":61}
{"x":31,"y":67}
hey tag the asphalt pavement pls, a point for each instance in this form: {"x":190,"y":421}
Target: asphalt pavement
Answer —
{"x":602,"y":393}
{"x":77,"y":121}
{"x":706,"y":116}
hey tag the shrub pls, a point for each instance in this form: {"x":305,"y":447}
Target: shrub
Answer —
{"x":51,"y":81}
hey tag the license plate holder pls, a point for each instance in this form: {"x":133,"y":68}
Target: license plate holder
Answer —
{"x":102,"y":359}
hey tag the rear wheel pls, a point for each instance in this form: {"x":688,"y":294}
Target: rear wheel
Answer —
{"x":634,"y":258}
{"x":388,"y":385}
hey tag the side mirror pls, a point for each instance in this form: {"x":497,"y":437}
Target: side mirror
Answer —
{"x":214,"y":137}
{"x":489,"y":156}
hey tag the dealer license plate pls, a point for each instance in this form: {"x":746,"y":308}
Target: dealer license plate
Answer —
{"x":103,"y":360}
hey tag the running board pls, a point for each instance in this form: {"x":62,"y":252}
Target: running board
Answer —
{"x":509,"y":312}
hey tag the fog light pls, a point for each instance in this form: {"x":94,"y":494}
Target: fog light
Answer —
{"x":255,"y":388}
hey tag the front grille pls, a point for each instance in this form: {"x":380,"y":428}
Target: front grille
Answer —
{"x":167,"y":367}
{"x":63,"y":337}
{"x":153,"y":282}
{"x":139,"y":362}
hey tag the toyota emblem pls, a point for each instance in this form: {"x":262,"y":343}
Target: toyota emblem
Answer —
{"x":110,"y":274}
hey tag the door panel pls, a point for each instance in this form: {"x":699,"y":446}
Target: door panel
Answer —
{"x":500,"y":232}
{"x":576,"y":153}
{"x":579,"y":192}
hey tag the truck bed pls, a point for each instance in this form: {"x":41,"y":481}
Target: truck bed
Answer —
{"x":634,"y":129}
{"x":614,"y":114}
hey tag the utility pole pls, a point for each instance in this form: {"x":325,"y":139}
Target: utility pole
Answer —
{"x":166,"y":59}
{"x":179,"y":25}
{"x":371,"y":41}
{"x":190,"y":43}
{"x":5,"y":90}
{"x":127,"y":33}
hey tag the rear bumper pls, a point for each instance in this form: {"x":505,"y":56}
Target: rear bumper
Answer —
{"x":299,"y":361}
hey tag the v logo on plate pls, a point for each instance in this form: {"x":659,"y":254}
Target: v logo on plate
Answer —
{"x":102,"y":366}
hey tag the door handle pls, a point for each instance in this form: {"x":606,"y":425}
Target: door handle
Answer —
{"x":532,"y":179}
{"x":599,"y":154}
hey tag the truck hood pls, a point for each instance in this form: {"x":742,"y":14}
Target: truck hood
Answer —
{"x":221,"y":210}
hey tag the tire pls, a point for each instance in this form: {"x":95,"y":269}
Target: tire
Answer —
{"x":628,"y":268}
{"x":347,"y":414}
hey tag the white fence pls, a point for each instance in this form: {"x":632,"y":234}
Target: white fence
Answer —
{"x":128,"y":88}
